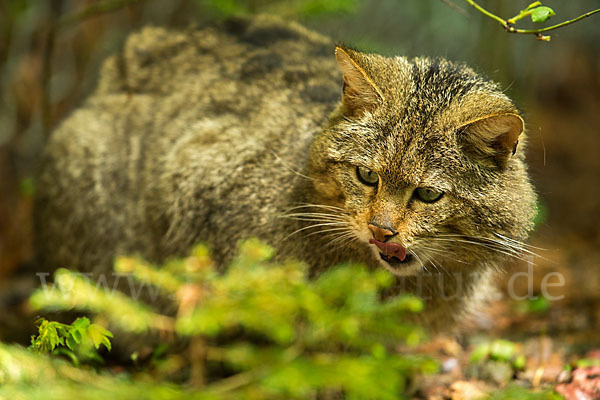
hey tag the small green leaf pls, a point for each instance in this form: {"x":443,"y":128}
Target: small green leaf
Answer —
{"x":106,"y":343}
{"x":542,"y":14}
{"x":502,"y":350}
{"x":588,"y":362}
{"x":99,"y":336}
{"x":520,"y":362}
{"x":378,"y":351}
{"x":48,"y":337}
{"x":480,"y":354}
{"x":539,"y":305}
{"x":413,"y":338}
{"x":27,"y":187}
{"x":81,"y":322}
{"x":71,"y":342}
{"x":76,"y":335}
{"x":256,"y":251}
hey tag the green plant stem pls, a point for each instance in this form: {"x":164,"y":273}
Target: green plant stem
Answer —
{"x":522,"y":15}
{"x":246,"y":378}
{"x":486,"y":12}
{"x":512,"y":29}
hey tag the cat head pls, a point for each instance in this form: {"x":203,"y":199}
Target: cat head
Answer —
{"x":422,"y":162}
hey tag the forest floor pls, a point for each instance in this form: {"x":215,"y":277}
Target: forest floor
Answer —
{"x":532,"y":343}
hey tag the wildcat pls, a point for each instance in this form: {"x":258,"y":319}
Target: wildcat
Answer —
{"x":237,"y":130}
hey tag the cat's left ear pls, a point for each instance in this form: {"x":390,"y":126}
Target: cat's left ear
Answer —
{"x":493,"y":138}
{"x":360,"y":93}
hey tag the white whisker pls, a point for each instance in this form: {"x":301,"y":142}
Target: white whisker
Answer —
{"x":507,"y":244}
{"x":523,"y":244}
{"x":323,"y":206}
{"x":320,"y":231}
{"x":290,"y":168}
{"x":503,"y":250}
{"x":312,"y":216}
{"x":313,"y":226}
{"x":418,"y":259}
{"x":343,"y":239}
{"x":438,"y":251}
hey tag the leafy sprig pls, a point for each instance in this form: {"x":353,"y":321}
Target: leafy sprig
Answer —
{"x":538,"y":14}
{"x":78,"y":341}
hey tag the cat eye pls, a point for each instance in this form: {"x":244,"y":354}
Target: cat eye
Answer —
{"x":367,"y":176}
{"x":428,"y":195}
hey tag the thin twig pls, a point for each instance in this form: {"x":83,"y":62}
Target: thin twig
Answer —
{"x":486,"y":12}
{"x":458,"y":8}
{"x":538,"y":32}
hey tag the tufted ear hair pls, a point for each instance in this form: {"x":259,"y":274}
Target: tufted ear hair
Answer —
{"x":360,"y":93}
{"x":492,"y":139}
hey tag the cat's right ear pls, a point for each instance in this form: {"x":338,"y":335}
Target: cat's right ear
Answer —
{"x":360,"y":93}
{"x":492,"y":139}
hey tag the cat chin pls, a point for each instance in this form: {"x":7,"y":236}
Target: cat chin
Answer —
{"x":409,"y":269}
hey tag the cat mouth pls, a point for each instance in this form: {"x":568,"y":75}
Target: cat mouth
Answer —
{"x":392,"y":253}
{"x":395,"y":261}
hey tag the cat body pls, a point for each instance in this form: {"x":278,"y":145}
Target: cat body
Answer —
{"x":234,"y":131}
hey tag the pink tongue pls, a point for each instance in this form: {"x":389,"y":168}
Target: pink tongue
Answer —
{"x":390,"y":249}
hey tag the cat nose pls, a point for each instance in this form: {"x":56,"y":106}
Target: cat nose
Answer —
{"x":382,"y":234}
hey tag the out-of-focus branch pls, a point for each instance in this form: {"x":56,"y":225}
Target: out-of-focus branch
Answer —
{"x":46,"y":106}
{"x":100,"y":7}
{"x":507,"y":24}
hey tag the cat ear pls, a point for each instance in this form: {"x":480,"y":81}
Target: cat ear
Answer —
{"x":493,"y":138}
{"x":360,"y":93}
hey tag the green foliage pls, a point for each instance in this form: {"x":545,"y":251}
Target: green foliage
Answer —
{"x":539,"y":305}
{"x":279,"y":334}
{"x":588,"y":362}
{"x":80,"y":340}
{"x":28,"y":376}
{"x":514,"y":392}
{"x":499,"y":350}
{"x":229,"y":7}
{"x":25,"y":375}
{"x":27,"y":187}
{"x":541,"y":214}
{"x":319,"y":7}
{"x":308,"y":8}
{"x":498,"y":361}
{"x":73,"y":291}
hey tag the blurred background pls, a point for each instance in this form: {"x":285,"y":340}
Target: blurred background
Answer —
{"x":50,"y":53}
